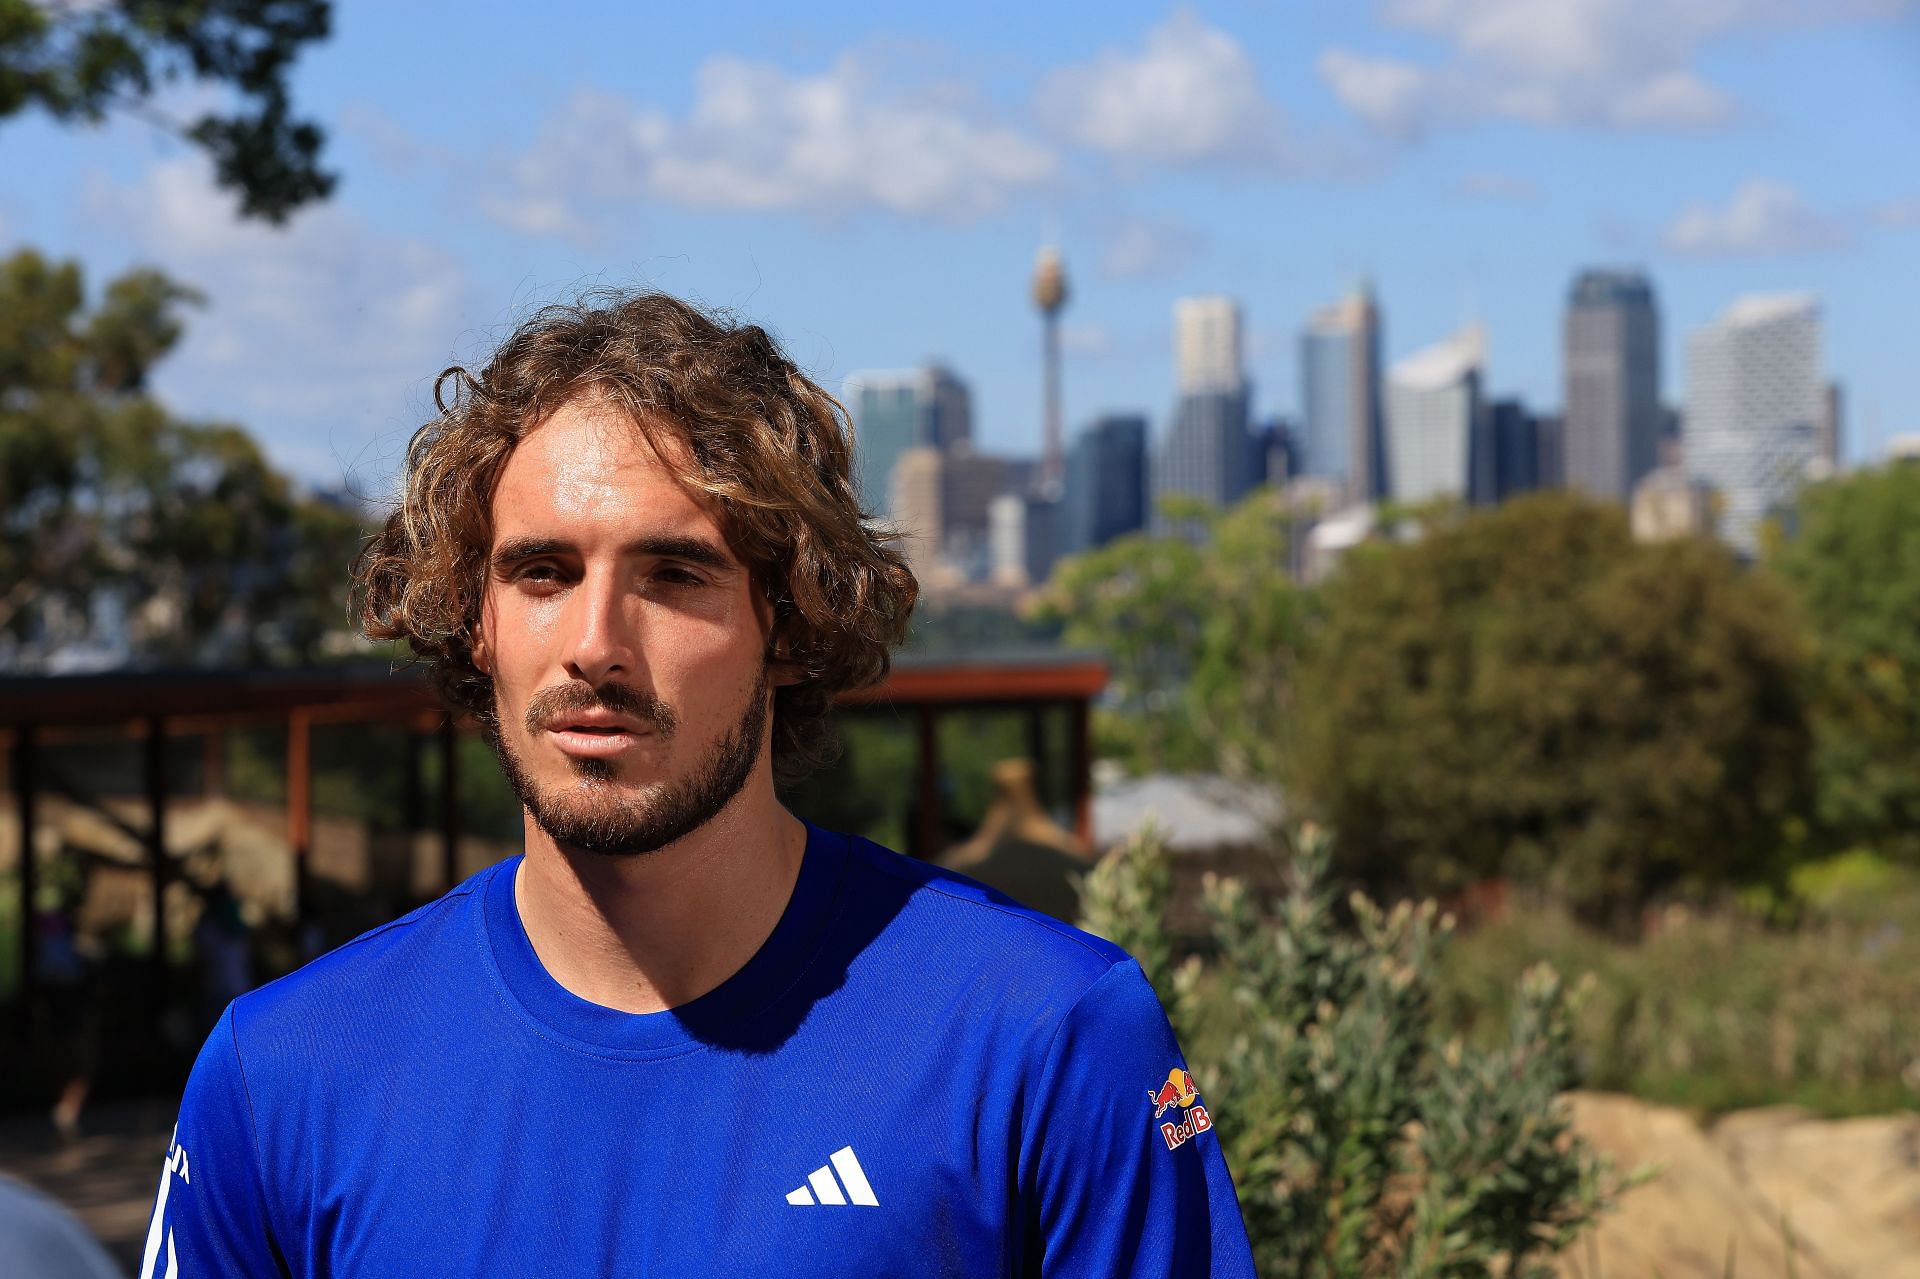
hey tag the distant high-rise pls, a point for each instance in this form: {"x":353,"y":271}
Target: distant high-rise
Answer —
{"x":1433,"y":409}
{"x":1612,"y":364}
{"x":1207,"y":346}
{"x":1505,"y":453}
{"x":1755,"y":397}
{"x":1208,"y":451}
{"x":969,"y":482}
{"x":895,"y":411}
{"x":946,"y":409}
{"x":1106,"y":493}
{"x":914,"y":497}
{"x":1341,"y":426}
{"x":1830,"y":437}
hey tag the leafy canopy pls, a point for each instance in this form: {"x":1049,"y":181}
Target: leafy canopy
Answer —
{"x":1855,"y":564}
{"x":78,"y":61}
{"x":105,"y":495}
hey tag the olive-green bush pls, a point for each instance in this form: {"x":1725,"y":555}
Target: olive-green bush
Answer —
{"x":1361,"y":1141}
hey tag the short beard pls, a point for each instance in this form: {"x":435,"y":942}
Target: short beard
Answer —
{"x":593,"y":816}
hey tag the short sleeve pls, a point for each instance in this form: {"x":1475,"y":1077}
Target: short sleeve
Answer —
{"x":210,"y":1215}
{"x":1120,"y":1163}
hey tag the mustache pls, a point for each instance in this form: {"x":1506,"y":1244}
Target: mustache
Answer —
{"x":563,"y":699}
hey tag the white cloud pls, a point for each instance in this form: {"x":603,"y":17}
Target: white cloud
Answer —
{"x":758,"y":138}
{"x":1764,"y":218}
{"x":1898,"y":214}
{"x":1191,"y":96}
{"x":1607,"y":63}
{"x":313,"y":336}
{"x":1142,"y":248}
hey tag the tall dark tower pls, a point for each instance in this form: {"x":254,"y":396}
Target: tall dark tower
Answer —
{"x":1050,"y":295}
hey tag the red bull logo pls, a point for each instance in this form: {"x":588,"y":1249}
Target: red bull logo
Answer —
{"x":1180,"y":1090}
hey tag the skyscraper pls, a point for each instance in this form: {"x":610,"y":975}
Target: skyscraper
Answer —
{"x":1207,"y":346}
{"x":1505,"y":453}
{"x":1755,"y":398}
{"x":1106,"y":481}
{"x":1340,"y":395}
{"x":946,"y":409}
{"x":1208,"y":452}
{"x":1612,"y":368}
{"x":1433,"y":409}
{"x":895,"y":411}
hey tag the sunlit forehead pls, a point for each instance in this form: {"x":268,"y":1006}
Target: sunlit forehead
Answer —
{"x":590,"y":478}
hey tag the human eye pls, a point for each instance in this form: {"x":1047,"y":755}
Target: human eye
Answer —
{"x":679,"y":575}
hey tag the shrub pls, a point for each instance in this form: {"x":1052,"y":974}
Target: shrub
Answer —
{"x":1362,"y":1144}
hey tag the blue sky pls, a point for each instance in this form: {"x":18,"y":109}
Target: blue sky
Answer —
{"x":871,"y":182}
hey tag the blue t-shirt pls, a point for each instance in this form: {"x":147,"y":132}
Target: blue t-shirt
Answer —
{"x":912,"y":1076}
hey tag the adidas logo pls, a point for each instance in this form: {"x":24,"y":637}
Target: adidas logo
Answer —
{"x":826,"y":1190}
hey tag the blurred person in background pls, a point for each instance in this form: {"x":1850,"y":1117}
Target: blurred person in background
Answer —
{"x":40,"y":1240}
{"x":685,"y":1032}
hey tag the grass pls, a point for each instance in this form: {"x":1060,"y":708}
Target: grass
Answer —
{"x":1727,"y":1008}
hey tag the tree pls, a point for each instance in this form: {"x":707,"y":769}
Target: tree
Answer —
{"x":105,"y":496}
{"x":1855,"y":563}
{"x":1200,"y":637}
{"x":1530,"y":691}
{"x":80,"y":60}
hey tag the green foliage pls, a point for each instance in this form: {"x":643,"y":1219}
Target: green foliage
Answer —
{"x":1363,"y":1143}
{"x":1530,"y":691}
{"x":1200,"y":639}
{"x":103,"y":492}
{"x":79,"y":61}
{"x":1855,"y":563}
{"x":1720,"y":1009}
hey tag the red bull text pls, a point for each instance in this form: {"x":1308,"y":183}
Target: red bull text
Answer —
{"x":1196,"y":1122}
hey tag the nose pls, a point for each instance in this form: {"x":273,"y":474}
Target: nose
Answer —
{"x":602,"y":642}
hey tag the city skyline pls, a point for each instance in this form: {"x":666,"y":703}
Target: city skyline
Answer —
{"x":872,"y":186}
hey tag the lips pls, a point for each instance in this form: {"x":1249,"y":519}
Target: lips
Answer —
{"x":596,"y":741}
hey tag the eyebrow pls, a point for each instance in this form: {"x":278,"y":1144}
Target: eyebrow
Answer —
{"x":694,"y":550}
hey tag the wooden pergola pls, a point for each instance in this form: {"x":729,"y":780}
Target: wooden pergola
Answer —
{"x":158,"y":707}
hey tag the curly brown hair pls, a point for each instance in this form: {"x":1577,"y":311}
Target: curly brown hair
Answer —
{"x":769,"y":447}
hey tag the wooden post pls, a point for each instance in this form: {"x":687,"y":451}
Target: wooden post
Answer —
{"x":300,"y":809}
{"x":1080,"y":768}
{"x":213,"y":763}
{"x":1042,"y":758}
{"x":24,"y":785}
{"x":156,"y":761}
{"x":925,"y":836}
{"x":449,"y":802}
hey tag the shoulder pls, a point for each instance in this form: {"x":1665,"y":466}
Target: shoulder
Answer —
{"x":980,"y":933}
{"x":353,"y":985}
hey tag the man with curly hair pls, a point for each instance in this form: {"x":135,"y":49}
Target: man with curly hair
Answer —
{"x":684,"y":1033}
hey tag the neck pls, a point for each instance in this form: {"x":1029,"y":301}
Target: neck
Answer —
{"x":652,"y":931}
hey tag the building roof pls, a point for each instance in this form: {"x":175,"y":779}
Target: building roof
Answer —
{"x":1445,"y":363}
